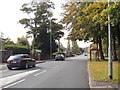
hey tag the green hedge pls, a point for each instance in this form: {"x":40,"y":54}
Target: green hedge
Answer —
{"x":18,"y":49}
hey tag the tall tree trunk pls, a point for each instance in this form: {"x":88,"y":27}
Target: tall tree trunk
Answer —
{"x":114,"y":48}
{"x":118,"y":37}
{"x":119,"y":47}
{"x":59,"y":45}
{"x":100,"y":46}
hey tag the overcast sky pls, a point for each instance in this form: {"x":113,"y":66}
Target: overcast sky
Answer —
{"x":10,"y":14}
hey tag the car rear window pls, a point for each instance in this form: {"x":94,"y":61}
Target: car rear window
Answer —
{"x":25,"y":56}
{"x":14,"y":57}
{"x":59,"y":55}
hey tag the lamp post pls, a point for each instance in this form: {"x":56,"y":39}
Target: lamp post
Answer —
{"x":109,"y":48}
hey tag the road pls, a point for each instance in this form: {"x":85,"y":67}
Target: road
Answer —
{"x":71,"y":73}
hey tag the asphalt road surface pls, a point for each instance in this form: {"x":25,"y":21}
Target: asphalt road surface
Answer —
{"x":71,"y":73}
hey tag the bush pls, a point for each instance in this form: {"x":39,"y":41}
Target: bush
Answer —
{"x":18,"y":49}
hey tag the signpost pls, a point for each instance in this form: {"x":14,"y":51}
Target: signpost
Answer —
{"x":38,"y":52}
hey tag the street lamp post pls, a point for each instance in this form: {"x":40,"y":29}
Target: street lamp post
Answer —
{"x":109,"y":48}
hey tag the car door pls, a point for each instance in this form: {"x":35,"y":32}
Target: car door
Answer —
{"x":26,"y":59}
{"x":29,"y":60}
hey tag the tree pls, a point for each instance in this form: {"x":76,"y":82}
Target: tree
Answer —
{"x":6,"y":41}
{"x":68,"y":48}
{"x":40,"y":24}
{"x":88,"y":21}
{"x":22,"y":41}
{"x":75,"y":49}
{"x":57,"y":36}
{"x":114,"y":11}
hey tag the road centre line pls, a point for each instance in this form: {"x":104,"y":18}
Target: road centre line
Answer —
{"x":40,"y":73}
{"x":56,"y":66}
{"x":14,"y":83}
{"x":59,"y":65}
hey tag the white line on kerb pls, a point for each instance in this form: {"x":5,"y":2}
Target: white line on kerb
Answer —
{"x":14,"y":83}
{"x":40,"y":73}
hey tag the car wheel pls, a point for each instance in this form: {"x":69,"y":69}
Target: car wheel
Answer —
{"x":26,"y":65}
{"x":34,"y":65}
{"x":10,"y":68}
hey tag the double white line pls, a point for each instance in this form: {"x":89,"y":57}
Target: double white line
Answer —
{"x":14,"y":83}
{"x":40,"y":73}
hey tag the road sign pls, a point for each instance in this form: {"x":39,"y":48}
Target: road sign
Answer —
{"x":38,"y":50}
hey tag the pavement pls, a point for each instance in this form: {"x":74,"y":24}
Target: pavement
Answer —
{"x":101,"y":84}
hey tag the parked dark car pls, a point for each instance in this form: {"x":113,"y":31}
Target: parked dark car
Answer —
{"x":59,"y":57}
{"x":20,"y":61}
{"x":85,"y":54}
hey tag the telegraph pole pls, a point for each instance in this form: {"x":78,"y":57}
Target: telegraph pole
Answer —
{"x":50,"y":35}
{"x":109,"y":48}
{"x":50,"y":40}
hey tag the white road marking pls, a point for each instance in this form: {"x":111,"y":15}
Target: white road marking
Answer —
{"x":59,"y":65}
{"x":56,"y":66}
{"x":14,"y":83}
{"x":40,"y":73}
{"x":7,"y":80}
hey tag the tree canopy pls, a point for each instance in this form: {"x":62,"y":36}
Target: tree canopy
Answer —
{"x":22,"y":41}
{"x":41,"y":25}
{"x":88,"y":21}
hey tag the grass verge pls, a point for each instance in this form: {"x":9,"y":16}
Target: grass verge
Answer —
{"x":99,"y":71}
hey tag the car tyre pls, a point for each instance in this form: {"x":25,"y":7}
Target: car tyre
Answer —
{"x":10,"y":68}
{"x":26,"y":65}
{"x":34,"y":65}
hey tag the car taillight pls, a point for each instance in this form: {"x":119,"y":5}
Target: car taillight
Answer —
{"x":20,"y":60}
{"x":8,"y":60}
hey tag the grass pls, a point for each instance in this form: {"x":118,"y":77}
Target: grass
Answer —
{"x":99,"y":71}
